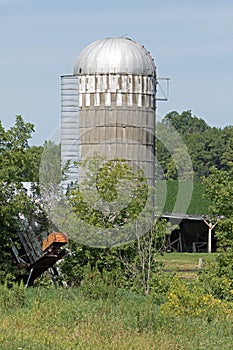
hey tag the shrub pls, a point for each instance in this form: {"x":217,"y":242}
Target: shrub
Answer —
{"x":217,"y":278}
{"x":96,"y":284}
{"x":192,"y":301}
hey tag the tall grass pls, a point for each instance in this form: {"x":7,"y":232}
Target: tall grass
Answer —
{"x":59,"y":319}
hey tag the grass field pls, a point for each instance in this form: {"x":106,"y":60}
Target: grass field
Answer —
{"x":66,"y":319}
{"x":185,"y":264}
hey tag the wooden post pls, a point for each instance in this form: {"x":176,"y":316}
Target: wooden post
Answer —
{"x":211,"y":227}
{"x":200,"y":263}
{"x":210,"y":238}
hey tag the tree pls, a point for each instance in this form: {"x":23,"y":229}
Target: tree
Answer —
{"x":107,"y":204}
{"x":218,"y":277}
{"x":185,"y":123}
{"x":141,"y":264}
{"x":19,"y":162}
{"x":206,"y":150}
{"x":18,"y":212}
{"x":219,"y":190}
{"x":133,"y":265}
{"x":227,"y":147}
{"x":112,"y":197}
{"x":179,"y":166}
{"x":172,"y":153}
{"x":207,"y":146}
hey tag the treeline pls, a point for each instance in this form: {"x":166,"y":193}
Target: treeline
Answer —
{"x":207,"y":146}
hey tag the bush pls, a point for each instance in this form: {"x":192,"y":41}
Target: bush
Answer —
{"x":161,"y":283}
{"x":217,"y":278}
{"x":98,"y":285}
{"x":191,"y":300}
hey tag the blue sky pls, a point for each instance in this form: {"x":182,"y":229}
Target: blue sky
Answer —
{"x":191,"y":42}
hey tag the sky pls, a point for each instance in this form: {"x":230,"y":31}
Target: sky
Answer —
{"x":190,"y":41}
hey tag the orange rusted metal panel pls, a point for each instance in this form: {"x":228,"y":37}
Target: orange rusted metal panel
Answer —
{"x":55,"y":237}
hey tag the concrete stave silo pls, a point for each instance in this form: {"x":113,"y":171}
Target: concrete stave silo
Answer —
{"x":110,"y":101}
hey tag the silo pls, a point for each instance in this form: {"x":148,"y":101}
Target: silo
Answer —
{"x":108,"y":105}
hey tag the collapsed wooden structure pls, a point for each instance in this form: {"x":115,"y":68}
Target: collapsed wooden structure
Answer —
{"x":37,"y":256}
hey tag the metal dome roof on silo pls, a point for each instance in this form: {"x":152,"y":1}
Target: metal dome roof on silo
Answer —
{"x":115,"y":55}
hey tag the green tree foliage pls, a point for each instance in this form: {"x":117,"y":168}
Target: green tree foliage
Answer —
{"x":179,"y":165}
{"x":19,"y":162}
{"x":219,"y":190}
{"x":207,"y":146}
{"x":133,"y":265}
{"x":173,"y":149}
{"x":218,"y":277}
{"x":110,"y":197}
{"x":227,"y":147}
{"x":206,"y":150}
{"x":141,"y":266}
{"x":84,"y":262}
{"x":50,"y":170}
{"x":185,"y":123}
{"x":111,"y":194}
{"x":18,"y":212}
